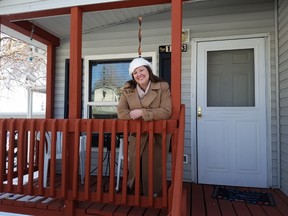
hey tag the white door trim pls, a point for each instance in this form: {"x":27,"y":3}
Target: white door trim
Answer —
{"x":193,"y":96}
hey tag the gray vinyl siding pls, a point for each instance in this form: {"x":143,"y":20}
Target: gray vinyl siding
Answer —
{"x":283,"y":91}
{"x":204,"y":19}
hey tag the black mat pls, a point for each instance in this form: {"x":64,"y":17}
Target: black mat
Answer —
{"x":247,"y":196}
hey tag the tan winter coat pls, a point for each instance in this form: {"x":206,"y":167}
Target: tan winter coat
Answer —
{"x":156,"y":105}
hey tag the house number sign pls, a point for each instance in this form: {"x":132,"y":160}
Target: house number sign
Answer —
{"x":167,"y":48}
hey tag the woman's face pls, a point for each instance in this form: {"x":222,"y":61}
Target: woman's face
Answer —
{"x":141,"y":76}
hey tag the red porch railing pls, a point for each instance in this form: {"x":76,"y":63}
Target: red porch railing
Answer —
{"x":26,"y":157}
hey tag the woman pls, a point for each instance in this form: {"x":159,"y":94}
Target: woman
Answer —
{"x":145,"y":97}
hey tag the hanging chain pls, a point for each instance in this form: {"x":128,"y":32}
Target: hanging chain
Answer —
{"x":32,"y":32}
{"x":139,"y":36}
{"x":31,"y":47}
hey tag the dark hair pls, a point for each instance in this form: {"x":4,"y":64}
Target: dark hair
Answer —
{"x":132,"y":83}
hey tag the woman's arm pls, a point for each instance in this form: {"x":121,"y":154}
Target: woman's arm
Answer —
{"x":123,"y":109}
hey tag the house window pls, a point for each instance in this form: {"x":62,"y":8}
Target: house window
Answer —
{"x":104,"y":78}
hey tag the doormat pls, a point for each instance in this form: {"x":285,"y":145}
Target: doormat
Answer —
{"x":247,"y":196}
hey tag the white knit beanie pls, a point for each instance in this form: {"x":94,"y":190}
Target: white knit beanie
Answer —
{"x":137,"y":62}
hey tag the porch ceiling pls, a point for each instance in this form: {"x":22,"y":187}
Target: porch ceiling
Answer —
{"x":92,"y":21}
{"x":59,"y":25}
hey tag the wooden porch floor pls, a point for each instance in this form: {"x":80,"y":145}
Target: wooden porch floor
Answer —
{"x":199,"y":203}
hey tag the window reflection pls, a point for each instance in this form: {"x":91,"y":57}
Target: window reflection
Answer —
{"x":106,"y":80}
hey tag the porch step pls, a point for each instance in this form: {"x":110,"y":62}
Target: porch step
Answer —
{"x":37,"y":205}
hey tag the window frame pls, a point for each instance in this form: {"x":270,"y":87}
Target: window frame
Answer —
{"x":88,"y":58}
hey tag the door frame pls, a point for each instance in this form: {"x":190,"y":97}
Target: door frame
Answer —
{"x":193,"y":96}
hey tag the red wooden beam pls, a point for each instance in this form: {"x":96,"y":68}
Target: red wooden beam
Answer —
{"x":36,"y":14}
{"x":176,"y":28}
{"x":39,"y":34}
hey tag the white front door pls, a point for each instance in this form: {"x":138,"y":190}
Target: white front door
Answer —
{"x":231,"y":112}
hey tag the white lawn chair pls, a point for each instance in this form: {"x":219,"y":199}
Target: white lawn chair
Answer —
{"x":120,"y":158}
{"x":47,"y":154}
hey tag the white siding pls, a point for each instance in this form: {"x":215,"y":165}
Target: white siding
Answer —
{"x":204,"y":19}
{"x":283,"y":90}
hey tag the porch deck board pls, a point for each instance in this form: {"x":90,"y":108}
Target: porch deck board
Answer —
{"x":44,"y":203}
{"x":136,"y":211}
{"x":109,"y":209}
{"x":34,"y":201}
{"x":202,"y":204}
{"x":151,"y":212}
{"x":95,"y":208}
{"x":282,"y":201}
{"x":57,"y":205}
{"x":122,"y":210}
{"x":199,"y":203}
{"x":197,"y":199}
{"x":256,"y":210}
{"x":212,"y":208}
{"x":241,"y":209}
{"x":10,"y":200}
{"x":227,"y":208}
{"x":19,"y":203}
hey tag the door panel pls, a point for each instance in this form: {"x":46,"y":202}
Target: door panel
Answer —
{"x":231,"y":123}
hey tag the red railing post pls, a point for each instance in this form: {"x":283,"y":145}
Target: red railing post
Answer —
{"x":177,"y":187}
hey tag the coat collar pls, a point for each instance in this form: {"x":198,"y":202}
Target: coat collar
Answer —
{"x":148,"y":99}
{"x":151,"y":95}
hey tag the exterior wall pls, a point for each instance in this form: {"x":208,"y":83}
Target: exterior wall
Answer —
{"x":204,"y":19}
{"x":283,"y":90}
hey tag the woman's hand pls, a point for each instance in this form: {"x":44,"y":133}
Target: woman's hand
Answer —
{"x":135,"y":114}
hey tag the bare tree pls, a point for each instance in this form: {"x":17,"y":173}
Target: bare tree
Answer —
{"x":21,"y":64}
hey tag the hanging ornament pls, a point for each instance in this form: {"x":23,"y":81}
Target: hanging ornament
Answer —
{"x":139,"y":36}
{"x":31,"y":48}
{"x":31,"y":54}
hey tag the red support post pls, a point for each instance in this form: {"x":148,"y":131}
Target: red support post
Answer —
{"x":176,"y":69}
{"x":75,"y":81}
{"x":75,"y":63}
{"x":50,"y":80}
